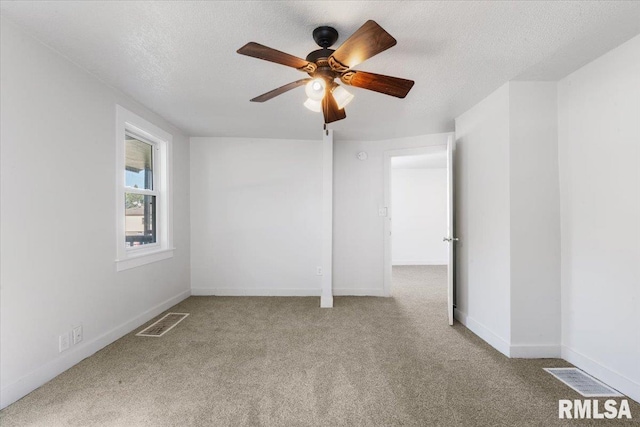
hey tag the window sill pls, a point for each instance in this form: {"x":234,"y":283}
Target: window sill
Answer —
{"x":138,"y":260}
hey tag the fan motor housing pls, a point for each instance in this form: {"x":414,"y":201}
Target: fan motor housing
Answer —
{"x":320,"y":54}
{"x":320,"y":58}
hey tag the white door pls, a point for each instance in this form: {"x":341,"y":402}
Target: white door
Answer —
{"x":450,"y":239}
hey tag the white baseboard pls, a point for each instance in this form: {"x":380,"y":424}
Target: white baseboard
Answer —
{"x":257,"y":292}
{"x":483,"y":332}
{"x":66,"y":360}
{"x":531,"y":351}
{"x":607,"y":375}
{"x":420,"y":262}
{"x":366,"y":292}
{"x":460,"y":316}
{"x":326,"y":302}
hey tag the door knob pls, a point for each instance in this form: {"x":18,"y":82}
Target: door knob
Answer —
{"x":450,"y":239}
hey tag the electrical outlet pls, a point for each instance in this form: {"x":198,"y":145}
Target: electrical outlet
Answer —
{"x":318,"y":271}
{"x":77,"y":334}
{"x":63,"y":342}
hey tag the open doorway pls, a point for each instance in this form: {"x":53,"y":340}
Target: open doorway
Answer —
{"x":417,"y":190}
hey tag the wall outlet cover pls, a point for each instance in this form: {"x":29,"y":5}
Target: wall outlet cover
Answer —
{"x":63,"y":342}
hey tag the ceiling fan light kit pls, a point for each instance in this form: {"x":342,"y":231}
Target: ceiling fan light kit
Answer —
{"x":315,"y":89}
{"x":342,"y":96}
{"x":315,"y":106}
{"x":325,"y":65}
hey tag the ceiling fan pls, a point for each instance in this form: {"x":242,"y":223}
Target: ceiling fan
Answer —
{"x":325,"y":65}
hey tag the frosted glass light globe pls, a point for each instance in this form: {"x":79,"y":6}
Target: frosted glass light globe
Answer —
{"x":342,"y":96}
{"x":315,"y":89}
{"x":315,"y":106}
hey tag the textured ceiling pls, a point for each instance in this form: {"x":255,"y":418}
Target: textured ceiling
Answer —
{"x":178,"y":58}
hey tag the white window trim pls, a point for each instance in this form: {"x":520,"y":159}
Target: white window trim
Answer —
{"x":126,"y":121}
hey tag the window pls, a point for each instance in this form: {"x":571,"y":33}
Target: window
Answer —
{"x":140,"y":196}
{"x":143,"y":196}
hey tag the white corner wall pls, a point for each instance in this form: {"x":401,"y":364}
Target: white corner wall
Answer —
{"x":58,"y":217}
{"x":534,"y":220}
{"x":482,"y":205}
{"x":358,"y":230}
{"x":599,"y":154}
{"x":508,"y":220}
{"x":592,"y":184}
{"x":257,"y":209}
{"x":419,"y":216}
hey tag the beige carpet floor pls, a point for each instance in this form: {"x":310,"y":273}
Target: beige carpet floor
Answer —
{"x":285,"y":362}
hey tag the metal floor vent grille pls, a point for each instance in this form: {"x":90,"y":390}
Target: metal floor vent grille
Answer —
{"x":163,"y":325}
{"x":581,"y":382}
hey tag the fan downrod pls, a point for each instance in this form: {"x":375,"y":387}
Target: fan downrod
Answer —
{"x":325,"y":36}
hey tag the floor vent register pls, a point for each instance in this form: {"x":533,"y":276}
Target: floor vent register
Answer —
{"x":583,"y":383}
{"x":163,"y":325}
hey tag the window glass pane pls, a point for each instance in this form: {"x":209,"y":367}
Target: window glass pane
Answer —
{"x":140,"y":219}
{"x":138,"y":163}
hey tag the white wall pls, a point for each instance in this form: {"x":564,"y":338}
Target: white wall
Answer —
{"x":507,"y":220}
{"x":599,"y":152}
{"x":258,"y":206}
{"x":257,"y":209}
{"x":583,"y":132}
{"x":419,"y":216}
{"x":358,"y":233}
{"x":534,"y":219}
{"x":482,"y":199}
{"x":58,"y":217}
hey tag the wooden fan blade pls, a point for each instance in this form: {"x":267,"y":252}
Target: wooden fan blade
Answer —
{"x":279,"y":91}
{"x":330,"y":109}
{"x":367,"y":41}
{"x":388,"y":85}
{"x":259,"y":51}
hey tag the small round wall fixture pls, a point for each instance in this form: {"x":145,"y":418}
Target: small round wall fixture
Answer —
{"x":362,"y":155}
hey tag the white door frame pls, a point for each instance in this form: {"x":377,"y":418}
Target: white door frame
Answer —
{"x":387,"y":202}
{"x":450,"y":237}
